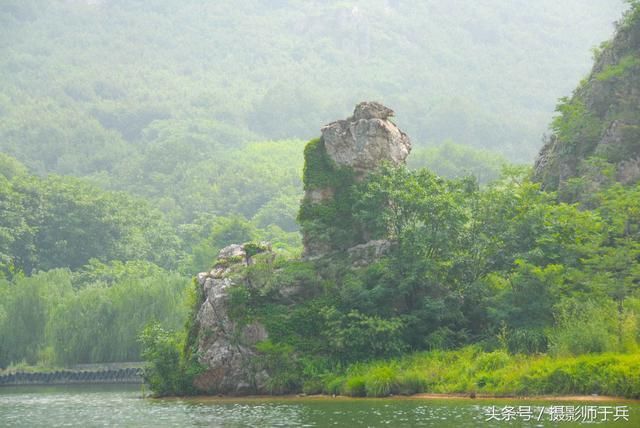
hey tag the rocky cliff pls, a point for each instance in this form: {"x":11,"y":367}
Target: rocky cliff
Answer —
{"x":596,"y":136}
{"x":225,"y":347}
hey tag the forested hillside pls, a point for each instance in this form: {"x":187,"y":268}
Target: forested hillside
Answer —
{"x":132,"y":77}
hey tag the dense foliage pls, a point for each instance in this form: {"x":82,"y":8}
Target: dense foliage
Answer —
{"x":64,"y":222}
{"x":504,"y":267}
{"x":83,"y":270}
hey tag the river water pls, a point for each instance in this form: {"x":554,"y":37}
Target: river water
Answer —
{"x":123,"y":406}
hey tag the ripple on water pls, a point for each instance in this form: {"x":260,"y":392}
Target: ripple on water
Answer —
{"x":98,"y":406}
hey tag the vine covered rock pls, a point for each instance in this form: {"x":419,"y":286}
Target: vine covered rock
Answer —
{"x":345,"y":154}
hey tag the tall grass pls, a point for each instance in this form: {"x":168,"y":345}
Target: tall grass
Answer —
{"x":470,"y":370}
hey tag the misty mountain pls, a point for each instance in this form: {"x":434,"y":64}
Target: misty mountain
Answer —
{"x":100,"y":79}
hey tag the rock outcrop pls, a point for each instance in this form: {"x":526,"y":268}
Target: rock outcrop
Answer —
{"x":364,"y":254}
{"x":224,"y":346}
{"x":346,"y":153}
{"x":599,"y":126}
{"x":366,"y":139}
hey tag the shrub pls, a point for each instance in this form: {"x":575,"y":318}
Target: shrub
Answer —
{"x":411,"y":382}
{"x":161,"y":351}
{"x":356,"y":336}
{"x":355,"y":386}
{"x":282,"y":365}
{"x":334,"y":385}
{"x":313,"y":386}
{"x":171,"y":366}
{"x":584,"y":327}
{"x":381,"y":381}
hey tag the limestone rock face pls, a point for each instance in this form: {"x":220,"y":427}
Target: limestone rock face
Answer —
{"x":224,"y":347}
{"x":366,"y":139}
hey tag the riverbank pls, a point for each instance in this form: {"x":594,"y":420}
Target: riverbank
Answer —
{"x":582,"y":398}
{"x":422,"y":396}
{"x":471,"y":371}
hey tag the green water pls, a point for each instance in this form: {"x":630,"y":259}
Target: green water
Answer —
{"x":122,"y":406}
